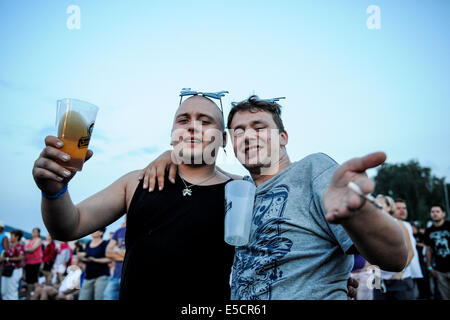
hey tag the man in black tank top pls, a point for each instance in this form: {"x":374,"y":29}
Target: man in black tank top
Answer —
{"x":175,"y":249}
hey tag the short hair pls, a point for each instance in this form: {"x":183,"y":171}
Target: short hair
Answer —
{"x":18,"y":234}
{"x":102,"y":229}
{"x":254,"y":104}
{"x":400,"y":200}
{"x":438,"y":205}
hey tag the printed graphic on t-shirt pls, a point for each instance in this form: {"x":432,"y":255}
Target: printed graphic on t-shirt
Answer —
{"x":440,"y":239}
{"x":255,"y":268}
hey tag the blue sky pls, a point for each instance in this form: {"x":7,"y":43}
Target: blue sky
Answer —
{"x":349,"y":90}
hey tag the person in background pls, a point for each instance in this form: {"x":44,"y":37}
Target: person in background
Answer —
{"x":116,"y":252}
{"x":394,"y":285}
{"x":413,"y":270}
{"x":97,"y":271}
{"x":68,"y":289}
{"x":62,"y":260}
{"x":360,"y":273}
{"x":423,"y":284}
{"x":437,"y":241}
{"x":49,"y":259}
{"x":33,"y":260}
{"x":14,"y":256}
{"x":4,"y":245}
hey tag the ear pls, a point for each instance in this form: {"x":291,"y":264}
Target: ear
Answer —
{"x":284,"y":138}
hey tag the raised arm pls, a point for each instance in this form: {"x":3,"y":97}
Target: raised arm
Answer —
{"x":64,"y":220}
{"x":377,"y":236}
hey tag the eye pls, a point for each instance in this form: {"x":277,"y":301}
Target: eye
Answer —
{"x":182,"y":121}
{"x":238,"y":132}
{"x":206,"y":122}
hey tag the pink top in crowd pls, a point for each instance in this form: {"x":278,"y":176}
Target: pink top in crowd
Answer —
{"x":35,"y":256}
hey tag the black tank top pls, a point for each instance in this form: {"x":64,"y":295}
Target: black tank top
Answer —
{"x":175,"y":248}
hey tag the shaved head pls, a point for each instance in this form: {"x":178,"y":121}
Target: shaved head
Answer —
{"x":206,"y":104}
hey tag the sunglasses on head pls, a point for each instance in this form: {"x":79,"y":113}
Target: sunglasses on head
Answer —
{"x":215,"y":95}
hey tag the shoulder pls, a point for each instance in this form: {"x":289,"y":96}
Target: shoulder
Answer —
{"x":316,"y":164}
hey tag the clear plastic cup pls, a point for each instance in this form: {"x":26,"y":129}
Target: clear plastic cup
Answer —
{"x":75,"y":121}
{"x":239,"y":197}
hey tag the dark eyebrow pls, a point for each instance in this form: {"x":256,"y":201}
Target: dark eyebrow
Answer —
{"x":253,"y":123}
{"x":183,"y":115}
{"x":206,"y":115}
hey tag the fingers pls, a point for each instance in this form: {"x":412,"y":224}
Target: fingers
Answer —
{"x":47,"y":169}
{"x":53,"y":142}
{"x":353,"y":283}
{"x":172,"y":172}
{"x":151,"y":178}
{"x":351,"y":292}
{"x":160,"y":172}
{"x":361,"y":164}
{"x":89,"y":155}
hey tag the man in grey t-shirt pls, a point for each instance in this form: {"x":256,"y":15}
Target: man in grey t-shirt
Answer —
{"x":305,"y":219}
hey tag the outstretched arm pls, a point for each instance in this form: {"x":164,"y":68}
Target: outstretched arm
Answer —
{"x":377,"y":236}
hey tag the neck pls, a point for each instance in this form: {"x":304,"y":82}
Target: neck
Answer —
{"x":272,"y":171}
{"x":196,"y":172}
{"x":438,"y":223}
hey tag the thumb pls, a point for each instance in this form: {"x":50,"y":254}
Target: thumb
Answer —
{"x":89,"y":154}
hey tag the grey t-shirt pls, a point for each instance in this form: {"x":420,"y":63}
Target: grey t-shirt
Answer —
{"x":293,"y":252}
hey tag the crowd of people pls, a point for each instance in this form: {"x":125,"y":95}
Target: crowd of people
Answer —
{"x":426,"y":275}
{"x":37,"y":269}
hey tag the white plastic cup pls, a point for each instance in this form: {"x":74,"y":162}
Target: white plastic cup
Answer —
{"x":239,"y":197}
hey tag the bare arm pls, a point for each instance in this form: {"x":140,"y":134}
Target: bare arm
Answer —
{"x":111,"y":251}
{"x":64,"y":220}
{"x":376,"y":235}
{"x":408,"y":242}
{"x":5,"y":244}
{"x":33,"y":248}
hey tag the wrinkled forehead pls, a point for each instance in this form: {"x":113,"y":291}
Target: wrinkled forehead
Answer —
{"x":196,"y":105}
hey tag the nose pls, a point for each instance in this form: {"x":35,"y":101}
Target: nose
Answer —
{"x":194,"y":126}
{"x":250,"y":135}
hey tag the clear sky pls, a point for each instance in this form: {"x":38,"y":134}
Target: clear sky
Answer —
{"x":350,"y":90}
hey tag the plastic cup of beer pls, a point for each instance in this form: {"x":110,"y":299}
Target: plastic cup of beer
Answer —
{"x":75,"y":121}
{"x":239,"y":197}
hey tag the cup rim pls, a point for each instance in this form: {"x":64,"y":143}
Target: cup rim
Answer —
{"x":78,"y":100}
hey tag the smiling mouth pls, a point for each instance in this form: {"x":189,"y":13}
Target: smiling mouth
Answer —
{"x":250,"y":149}
{"x":190,"y":140}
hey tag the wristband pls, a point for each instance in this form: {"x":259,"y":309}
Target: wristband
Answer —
{"x":55,"y":196}
{"x":430,"y":268}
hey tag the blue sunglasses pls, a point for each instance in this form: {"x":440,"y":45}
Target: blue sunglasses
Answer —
{"x":215,"y":95}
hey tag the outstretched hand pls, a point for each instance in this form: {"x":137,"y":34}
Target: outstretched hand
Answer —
{"x":339,"y":201}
